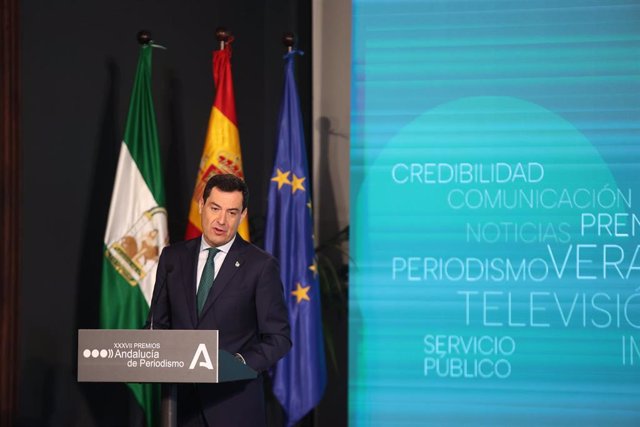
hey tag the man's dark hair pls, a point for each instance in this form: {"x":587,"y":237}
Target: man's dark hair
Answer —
{"x":227,"y":183}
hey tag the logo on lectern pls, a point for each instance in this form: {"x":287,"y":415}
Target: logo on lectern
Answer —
{"x":201,"y":352}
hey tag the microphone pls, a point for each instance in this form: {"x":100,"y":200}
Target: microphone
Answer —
{"x":156,"y":295}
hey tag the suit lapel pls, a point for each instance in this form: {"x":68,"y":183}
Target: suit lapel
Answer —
{"x":190,"y":263}
{"x":232,"y":263}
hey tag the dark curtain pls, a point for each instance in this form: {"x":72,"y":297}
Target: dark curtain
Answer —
{"x":10,"y":219}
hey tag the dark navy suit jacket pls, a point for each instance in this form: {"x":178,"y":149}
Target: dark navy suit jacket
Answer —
{"x":246,"y":305}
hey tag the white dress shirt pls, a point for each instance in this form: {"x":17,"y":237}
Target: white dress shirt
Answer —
{"x":217,"y":261}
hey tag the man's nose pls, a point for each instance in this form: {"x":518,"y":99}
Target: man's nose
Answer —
{"x":222,"y":218}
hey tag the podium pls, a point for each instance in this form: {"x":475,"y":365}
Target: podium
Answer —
{"x":157,"y":356}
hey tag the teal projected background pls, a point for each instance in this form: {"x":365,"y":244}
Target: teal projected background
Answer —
{"x":495,"y":213}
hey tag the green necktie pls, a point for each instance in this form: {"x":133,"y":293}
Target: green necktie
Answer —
{"x":206,"y":280}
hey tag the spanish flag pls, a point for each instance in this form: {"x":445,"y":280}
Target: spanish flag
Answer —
{"x":222,"y":146}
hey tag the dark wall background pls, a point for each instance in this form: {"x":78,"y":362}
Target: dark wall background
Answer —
{"x":78,"y":63}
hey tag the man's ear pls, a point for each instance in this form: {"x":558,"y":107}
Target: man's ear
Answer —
{"x":243,"y":214}
{"x":200,"y":206}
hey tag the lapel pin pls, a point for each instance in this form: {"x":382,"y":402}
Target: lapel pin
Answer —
{"x":237,"y":264}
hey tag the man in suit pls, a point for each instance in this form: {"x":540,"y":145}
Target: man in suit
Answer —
{"x":245,"y":303}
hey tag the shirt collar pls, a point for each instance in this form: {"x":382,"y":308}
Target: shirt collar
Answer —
{"x":224,"y":248}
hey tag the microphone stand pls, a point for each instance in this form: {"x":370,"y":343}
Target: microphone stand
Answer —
{"x":169,"y":392}
{"x":169,"y":406}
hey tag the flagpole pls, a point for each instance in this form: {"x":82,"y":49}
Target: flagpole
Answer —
{"x":288,"y":40}
{"x":144,"y":37}
{"x":222,"y":35}
{"x":168,"y":405}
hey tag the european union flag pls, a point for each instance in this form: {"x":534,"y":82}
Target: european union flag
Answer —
{"x":300,"y":377}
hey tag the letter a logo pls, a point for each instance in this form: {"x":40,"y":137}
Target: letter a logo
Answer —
{"x":202,"y":350}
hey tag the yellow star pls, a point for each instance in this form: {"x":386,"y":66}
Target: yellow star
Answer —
{"x":296,"y":184}
{"x":301,"y":293}
{"x":281,"y":178}
{"x":314,"y":267}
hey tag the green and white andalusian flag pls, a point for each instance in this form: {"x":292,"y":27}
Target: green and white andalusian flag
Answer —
{"x":137,"y":225}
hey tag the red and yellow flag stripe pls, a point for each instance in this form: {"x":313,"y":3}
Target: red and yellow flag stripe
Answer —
{"x":222,"y":145}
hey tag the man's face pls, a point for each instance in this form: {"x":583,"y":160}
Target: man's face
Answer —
{"x":221,"y":214}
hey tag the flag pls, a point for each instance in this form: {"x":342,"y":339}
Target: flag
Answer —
{"x":137,"y":225}
{"x":221,"y":152}
{"x":300,"y":377}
